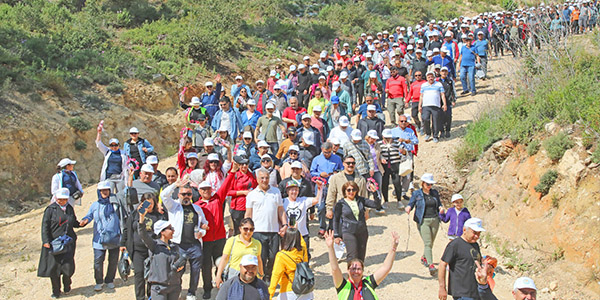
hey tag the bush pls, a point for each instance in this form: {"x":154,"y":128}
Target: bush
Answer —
{"x":557,"y":145}
{"x":80,"y":145}
{"x":533,"y":147}
{"x":546,"y":182}
{"x":115,"y":88}
{"x":80,"y":124}
{"x":35,"y":97}
{"x":465,"y":155}
{"x":596,"y":155}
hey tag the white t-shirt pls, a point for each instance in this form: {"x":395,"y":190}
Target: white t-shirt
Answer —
{"x":264,"y":209}
{"x":225,"y":121}
{"x":432,"y":93}
{"x":297,"y":210}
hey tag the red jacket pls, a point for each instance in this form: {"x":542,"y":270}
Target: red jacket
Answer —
{"x":242,"y":182}
{"x":415,"y":147}
{"x":415,"y":91}
{"x":396,"y":87}
{"x":213,"y":211}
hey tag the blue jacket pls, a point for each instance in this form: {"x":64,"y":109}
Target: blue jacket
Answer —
{"x":140,"y":144}
{"x":252,"y":121}
{"x":235,"y":91}
{"x":102,"y":223}
{"x":444,"y":62}
{"x":235,"y":120}
{"x":322,"y":164}
{"x":211,"y":101}
{"x":418,"y":200}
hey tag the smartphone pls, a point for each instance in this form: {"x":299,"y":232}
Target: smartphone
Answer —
{"x":145,"y":205}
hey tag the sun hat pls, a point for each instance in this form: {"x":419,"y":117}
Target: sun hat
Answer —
{"x":475,"y":224}
{"x":65,"y":162}
{"x":160,"y":225}
{"x":149,"y":169}
{"x":428,"y":178}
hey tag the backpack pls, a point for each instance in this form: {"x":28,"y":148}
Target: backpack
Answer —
{"x":304,"y":278}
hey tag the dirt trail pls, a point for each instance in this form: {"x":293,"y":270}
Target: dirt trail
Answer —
{"x":20,"y":236}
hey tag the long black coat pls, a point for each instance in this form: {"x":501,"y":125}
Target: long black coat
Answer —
{"x":55,"y":223}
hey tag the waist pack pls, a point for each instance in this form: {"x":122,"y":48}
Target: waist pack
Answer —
{"x":304,"y":278}
{"x":61,"y":244}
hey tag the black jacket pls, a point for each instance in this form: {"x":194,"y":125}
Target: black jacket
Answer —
{"x":304,"y":81}
{"x":162,"y":256}
{"x":130,"y":237}
{"x":366,"y":124}
{"x":343,"y":217}
{"x":55,"y":223}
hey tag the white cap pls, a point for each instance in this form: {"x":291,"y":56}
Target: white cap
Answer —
{"x":339,"y":61}
{"x":238,"y":77}
{"x":315,"y":66}
{"x":63,"y":193}
{"x":195,"y":101}
{"x":191,"y":155}
{"x":344,"y":74}
{"x":208,"y":83}
{"x":421,"y":41}
{"x":308,"y":137}
{"x":272,"y":73}
{"x":65,"y":161}
{"x":152,"y":159}
{"x":317,"y":108}
{"x":335,"y":141}
{"x":410,"y":47}
{"x":103,"y":185}
{"x":247,"y":135}
{"x":368,"y":54}
{"x":293,"y":68}
{"x":223,"y":127}
{"x":260,"y":81}
{"x":387,"y":133}
{"x":251,"y":102}
{"x":356,"y":58}
{"x":429,"y":53}
{"x":335,"y":85}
{"x":480,"y":21}
{"x":343,"y":121}
{"x":373,"y":134}
{"x":270,"y":105}
{"x":371,"y":107}
{"x":463,"y":36}
{"x":346,"y":45}
{"x":430,"y":73}
{"x":208,"y":142}
{"x":456,"y":197}
{"x":249,"y":260}
{"x":296,"y":164}
{"x":149,"y":169}
{"x":418,"y":50}
{"x":305,"y":116}
{"x":524,"y":283}
{"x":446,"y":50}
{"x":204,"y":184}
{"x":343,"y":53}
{"x":306,"y":58}
{"x":474,"y":223}
{"x":213,"y":157}
{"x":277,"y":87}
{"x":373,"y":75}
{"x":329,"y":68}
{"x":134,"y":130}
{"x":369,"y":37}
{"x":322,"y":77}
{"x":385,"y":32}
{"x":301,"y":66}
{"x":266,"y":156}
{"x":356,"y":135}
{"x":436,"y":50}
{"x":376,"y":42}
{"x":160,"y":225}
{"x":448,"y":33}
{"x":323,"y":54}
{"x":262,"y":144}
{"x":113,"y":141}
{"x":428,"y":178}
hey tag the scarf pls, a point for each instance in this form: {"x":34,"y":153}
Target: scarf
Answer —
{"x":357,"y":290}
{"x":117,"y":152}
{"x":108,"y":208}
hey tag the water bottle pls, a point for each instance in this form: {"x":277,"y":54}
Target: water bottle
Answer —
{"x":125,"y":255}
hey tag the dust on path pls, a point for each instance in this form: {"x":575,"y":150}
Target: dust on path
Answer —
{"x":20,"y":240}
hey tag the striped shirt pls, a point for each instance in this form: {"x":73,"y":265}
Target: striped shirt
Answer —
{"x":391,"y":152}
{"x":361,"y":153}
{"x":431,"y":94}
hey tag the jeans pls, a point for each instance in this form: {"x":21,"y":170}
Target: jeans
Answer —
{"x":395,"y":105}
{"x":463,"y":298}
{"x":383,"y":95}
{"x":194,"y":257}
{"x":211,"y":251}
{"x":447,"y":122}
{"x":415,"y":114}
{"x":432,"y":117}
{"x":274,"y":147}
{"x":270,"y":247}
{"x":428,"y":230}
{"x":322,"y":211}
{"x":113,"y":259}
{"x":464,"y":72}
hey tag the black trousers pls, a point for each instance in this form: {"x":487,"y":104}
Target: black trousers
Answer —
{"x":270,"y":247}
{"x":356,"y":244}
{"x":414,"y":112}
{"x":432,"y":120}
{"x":212,"y":251}
{"x":165,"y":292}
{"x":237,"y":216}
{"x":390,"y":171}
{"x":55,"y":280}
{"x":138,"y":274}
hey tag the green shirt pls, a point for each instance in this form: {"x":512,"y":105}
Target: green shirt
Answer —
{"x":268,"y":127}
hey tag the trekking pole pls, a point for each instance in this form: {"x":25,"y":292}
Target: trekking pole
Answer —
{"x":407,"y":236}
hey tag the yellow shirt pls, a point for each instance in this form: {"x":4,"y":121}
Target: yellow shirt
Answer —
{"x":284,"y":268}
{"x":239,"y":250}
{"x":354,"y":206}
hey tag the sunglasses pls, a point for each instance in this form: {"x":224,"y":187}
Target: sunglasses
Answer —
{"x":133,"y":133}
{"x":350,"y":190}
{"x":418,"y":75}
{"x":169,"y":228}
{"x":266,"y":160}
{"x":402,"y":121}
{"x":209,"y":87}
{"x":350,"y":163}
{"x":185,"y":194}
{"x":213,"y":162}
{"x":248,"y":229}
{"x":113,"y":145}
{"x":293,"y":153}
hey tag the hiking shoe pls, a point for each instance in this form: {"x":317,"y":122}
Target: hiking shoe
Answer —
{"x":424,"y":261}
{"x":110,"y":285}
{"x":380,"y":211}
{"x":473,"y":93}
{"x":464,"y":92}
{"x":206,"y":295}
{"x":190,"y":297}
{"x":54,"y":296}
{"x":432,"y":270}
{"x":384,"y":205}
{"x":67,"y":290}
{"x":98,"y":287}
{"x":447,"y":135}
{"x":321,"y":234}
{"x":435,"y":140}
{"x":400,"y":205}
{"x":428,"y":138}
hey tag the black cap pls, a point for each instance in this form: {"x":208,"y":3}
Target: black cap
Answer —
{"x":242,"y":160}
{"x":291,"y":129}
{"x":201,"y":117}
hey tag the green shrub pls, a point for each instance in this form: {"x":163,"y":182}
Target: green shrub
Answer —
{"x":79,"y":124}
{"x":596,"y":155}
{"x":464,"y":155}
{"x":546,"y":182}
{"x":533,"y":147}
{"x":35,"y":97}
{"x":115,"y":88}
{"x":80,"y":145}
{"x":557,"y":145}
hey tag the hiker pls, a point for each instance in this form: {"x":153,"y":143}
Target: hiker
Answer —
{"x":392,"y":154}
{"x":432,"y":106}
{"x":66,"y":177}
{"x":466,"y":61}
{"x":292,"y":252}
{"x":137,"y":148}
{"x":297,"y":206}
{"x":246,"y":285}
{"x":114,"y":166}
{"x":456,"y":215}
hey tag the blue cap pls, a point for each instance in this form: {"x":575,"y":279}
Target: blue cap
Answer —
{"x":335,"y":99}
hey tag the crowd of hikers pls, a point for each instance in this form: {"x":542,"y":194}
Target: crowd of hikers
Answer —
{"x":308,"y":144}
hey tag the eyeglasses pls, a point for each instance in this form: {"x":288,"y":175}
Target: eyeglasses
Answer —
{"x":185,"y":194}
{"x":248,"y":229}
{"x":213,"y":162}
{"x":293,"y":153}
{"x":402,"y":121}
{"x":266,"y":160}
{"x":350,"y":163}
{"x":350,"y":190}
{"x":113,"y":145}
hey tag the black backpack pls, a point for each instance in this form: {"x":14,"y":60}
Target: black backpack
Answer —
{"x":304,"y":278}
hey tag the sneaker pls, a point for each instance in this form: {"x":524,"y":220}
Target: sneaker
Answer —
{"x":110,"y":285}
{"x":400,"y":205}
{"x":321,"y":234}
{"x":427,"y":138}
{"x":473,"y":94}
{"x":432,"y":270}
{"x":435,"y":140}
{"x":424,"y":261}
{"x":447,"y":135}
{"x":464,"y":92}
{"x":206,"y":295}
{"x":190,"y":297}
{"x":67,"y":290}
{"x":384,"y":206}
{"x":380,"y":211}
{"x":54,"y":296}
{"x":421,"y":131}
{"x":98,"y":287}
{"x":405,"y":197}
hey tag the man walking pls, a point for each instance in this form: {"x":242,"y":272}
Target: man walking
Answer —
{"x":431,"y":105}
{"x":396,"y":89}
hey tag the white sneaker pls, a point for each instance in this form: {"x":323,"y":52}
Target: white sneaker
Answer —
{"x":400,"y":205}
{"x":427,"y":138}
{"x":190,"y":297}
{"x":110,"y":285}
{"x":98,"y":287}
{"x":384,"y":206}
{"x":380,"y":211}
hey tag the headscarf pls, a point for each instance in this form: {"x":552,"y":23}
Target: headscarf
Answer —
{"x":108,"y":208}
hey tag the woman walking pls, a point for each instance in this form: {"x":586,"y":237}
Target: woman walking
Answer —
{"x":66,"y":177}
{"x":58,"y":221}
{"x":427,"y":204}
{"x":284,"y":268}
